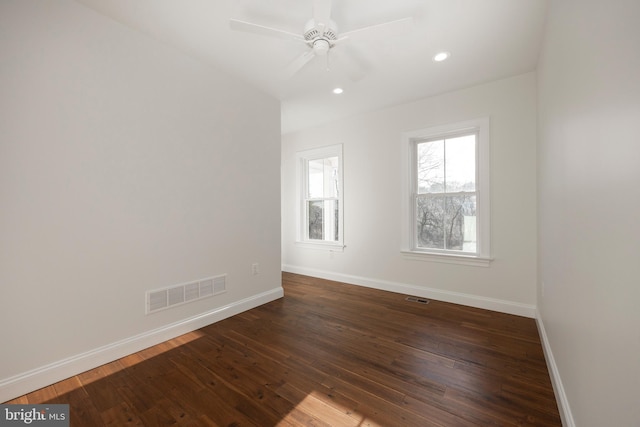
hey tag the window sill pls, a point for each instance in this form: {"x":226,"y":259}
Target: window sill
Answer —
{"x":334,"y":247}
{"x":447,"y":258}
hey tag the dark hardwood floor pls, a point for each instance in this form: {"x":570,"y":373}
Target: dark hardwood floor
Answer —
{"x":327,"y":354}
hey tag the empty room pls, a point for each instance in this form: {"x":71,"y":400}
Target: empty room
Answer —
{"x":320,"y":212}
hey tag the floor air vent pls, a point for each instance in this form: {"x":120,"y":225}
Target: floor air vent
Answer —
{"x":161,"y":299}
{"x":418,"y":300}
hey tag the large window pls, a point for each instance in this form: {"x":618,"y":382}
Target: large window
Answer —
{"x":320,"y":197}
{"x":447,"y":197}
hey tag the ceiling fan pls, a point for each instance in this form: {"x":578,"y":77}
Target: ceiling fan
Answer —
{"x":321,"y":35}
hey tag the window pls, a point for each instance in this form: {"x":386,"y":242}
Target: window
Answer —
{"x":447,"y":199}
{"x":320,"y":197}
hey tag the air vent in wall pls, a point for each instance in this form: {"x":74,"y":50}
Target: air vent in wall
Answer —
{"x":161,"y":299}
{"x":191,"y":291}
{"x":156,"y":300}
{"x":206,"y":287}
{"x":219,"y":285}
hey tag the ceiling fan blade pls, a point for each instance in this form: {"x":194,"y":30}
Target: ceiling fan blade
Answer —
{"x":298,"y":63}
{"x":388,"y":29}
{"x":321,"y":14}
{"x":249,"y":27}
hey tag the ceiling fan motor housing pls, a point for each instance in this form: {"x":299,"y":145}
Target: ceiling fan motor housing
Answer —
{"x":312,"y":34}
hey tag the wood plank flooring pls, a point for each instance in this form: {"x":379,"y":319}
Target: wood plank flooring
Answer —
{"x":327,"y":354}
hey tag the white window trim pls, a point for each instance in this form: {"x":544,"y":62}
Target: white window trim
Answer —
{"x":302,"y":159}
{"x":409,"y":248}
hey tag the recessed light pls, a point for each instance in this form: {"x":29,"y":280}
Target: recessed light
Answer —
{"x":338,"y":90}
{"x":439,"y":57}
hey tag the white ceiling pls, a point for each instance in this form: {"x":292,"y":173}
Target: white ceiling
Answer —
{"x":488,"y":40}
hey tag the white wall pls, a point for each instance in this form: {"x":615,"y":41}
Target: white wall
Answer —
{"x":372,"y":199}
{"x":125,"y":166}
{"x":589,"y":207}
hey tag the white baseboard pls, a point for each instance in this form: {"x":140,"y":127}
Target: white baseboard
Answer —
{"x":503,"y":306}
{"x":24,"y":383}
{"x":558,"y":388}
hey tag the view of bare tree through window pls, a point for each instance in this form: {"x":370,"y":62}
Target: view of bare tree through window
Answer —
{"x":446,"y":194}
{"x":315,"y":219}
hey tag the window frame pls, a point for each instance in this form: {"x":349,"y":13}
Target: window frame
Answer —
{"x":302,"y":181}
{"x":410,"y":140}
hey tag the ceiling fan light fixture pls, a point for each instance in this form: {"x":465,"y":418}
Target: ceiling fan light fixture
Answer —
{"x":338,"y":90}
{"x":441,"y":56}
{"x":321,"y":47}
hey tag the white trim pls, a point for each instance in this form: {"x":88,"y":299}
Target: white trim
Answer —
{"x":503,"y":306}
{"x":447,"y":258}
{"x":558,"y":388}
{"x":326,"y":246}
{"x":24,"y":383}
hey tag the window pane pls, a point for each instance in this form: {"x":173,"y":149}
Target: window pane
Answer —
{"x":460,"y":163}
{"x":460,"y":223}
{"x":331,"y":177}
{"x":447,"y":222}
{"x":430,"y":167}
{"x":316,"y":178}
{"x":323,"y":220}
{"x":430,"y":222}
{"x":315,"y":216}
{"x":323,"y":178}
{"x":336,"y":217}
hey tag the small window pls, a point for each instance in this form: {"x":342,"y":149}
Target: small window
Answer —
{"x":447,"y":197}
{"x":320,"y":202}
